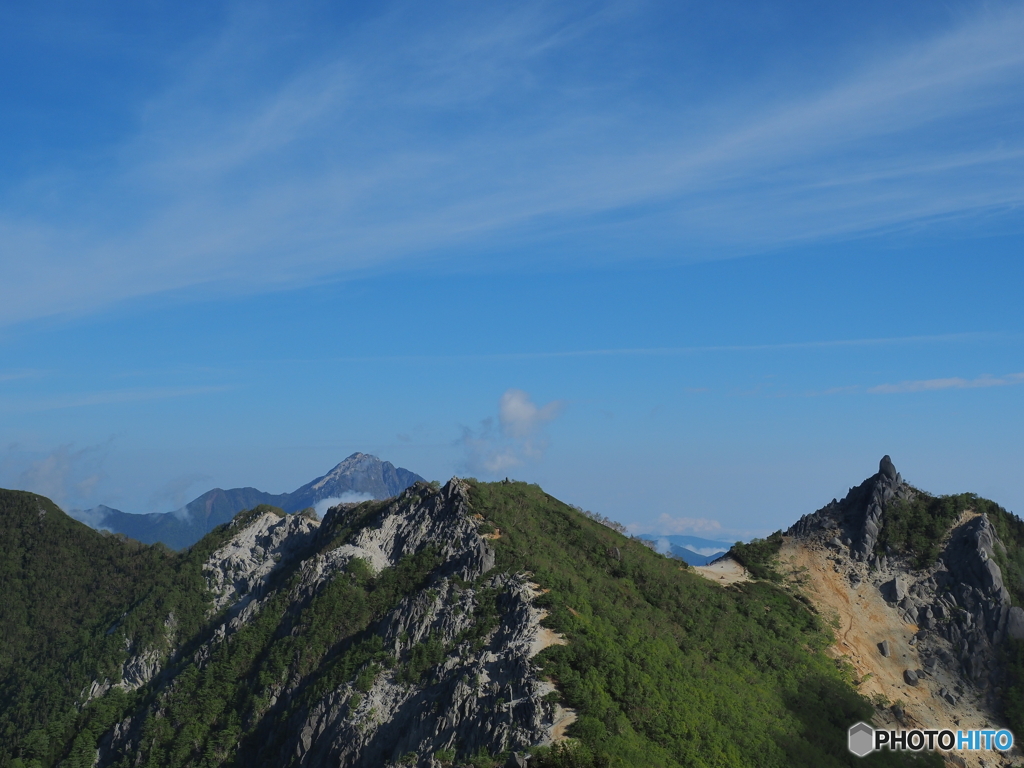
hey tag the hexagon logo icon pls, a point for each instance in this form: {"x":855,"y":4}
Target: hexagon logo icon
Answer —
{"x":861,"y":739}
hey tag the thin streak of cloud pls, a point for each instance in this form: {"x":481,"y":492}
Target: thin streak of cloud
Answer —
{"x":953,"y":338}
{"x":934,"y":385}
{"x":6,"y":376}
{"x":111,"y":397}
{"x":280,"y":185}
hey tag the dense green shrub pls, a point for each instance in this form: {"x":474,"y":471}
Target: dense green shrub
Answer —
{"x":916,"y":527}
{"x":759,"y":556}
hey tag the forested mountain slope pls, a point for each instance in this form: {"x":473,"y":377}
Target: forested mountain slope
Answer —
{"x":448,"y":626}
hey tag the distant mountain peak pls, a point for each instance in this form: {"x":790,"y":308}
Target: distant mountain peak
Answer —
{"x":361,"y":475}
{"x":356,"y":462}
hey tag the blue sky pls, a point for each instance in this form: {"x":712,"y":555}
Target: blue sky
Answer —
{"x":692,"y":266}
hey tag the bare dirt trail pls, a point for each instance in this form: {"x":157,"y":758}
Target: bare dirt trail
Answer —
{"x":545,"y":638}
{"x":723,"y":571}
{"x":865,"y":620}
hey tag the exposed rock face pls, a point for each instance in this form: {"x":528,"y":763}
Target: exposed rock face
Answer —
{"x":486,"y":692}
{"x":241,"y":567}
{"x":1015,"y":624}
{"x":488,"y":699}
{"x":888,"y":470}
{"x":359,"y":473}
{"x":959,"y":604}
{"x":858,"y":517}
{"x":139,"y":670}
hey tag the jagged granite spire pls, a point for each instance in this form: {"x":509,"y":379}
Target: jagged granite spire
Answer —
{"x":959,"y":605}
{"x":858,"y":517}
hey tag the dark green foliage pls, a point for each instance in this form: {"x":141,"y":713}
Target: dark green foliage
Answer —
{"x":666,"y":669}
{"x":331,"y":642}
{"x":1010,"y":557}
{"x":422,"y":658}
{"x":69,"y":599}
{"x":569,"y":754}
{"x":486,"y":617}
{"x":1013,"y":693}
{"x":759,"y":556}
{"x":917,"y":527}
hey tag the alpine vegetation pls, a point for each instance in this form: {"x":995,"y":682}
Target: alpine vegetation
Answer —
{"x":474,"y":624}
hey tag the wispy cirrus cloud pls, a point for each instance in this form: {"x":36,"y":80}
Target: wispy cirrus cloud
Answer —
{"x":461,"y":133}
{"x":793,"y":346}
{"x":933,"y":385}
{"x":106,"y":397}
{"x":6,"y":376}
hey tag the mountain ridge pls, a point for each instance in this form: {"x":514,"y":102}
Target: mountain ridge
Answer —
{"x":358,"y":474}
{"x":931,"y":620}
{"x":686,"y":547}
{"x":464,"y":625}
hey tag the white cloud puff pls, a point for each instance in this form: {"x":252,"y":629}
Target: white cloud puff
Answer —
{"x":518,"y":437}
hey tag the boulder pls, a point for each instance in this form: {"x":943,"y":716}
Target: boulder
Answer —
{"x":910,"y":676}
{"x":898,"y":588}
{"x":884,"y":648}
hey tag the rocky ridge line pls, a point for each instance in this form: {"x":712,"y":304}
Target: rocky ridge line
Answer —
{"x":483,"y":695}
{"x":959,"y":605}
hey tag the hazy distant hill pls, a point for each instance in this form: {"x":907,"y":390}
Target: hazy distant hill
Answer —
{"x":360,"y":476}
{"x":692,"y":550}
